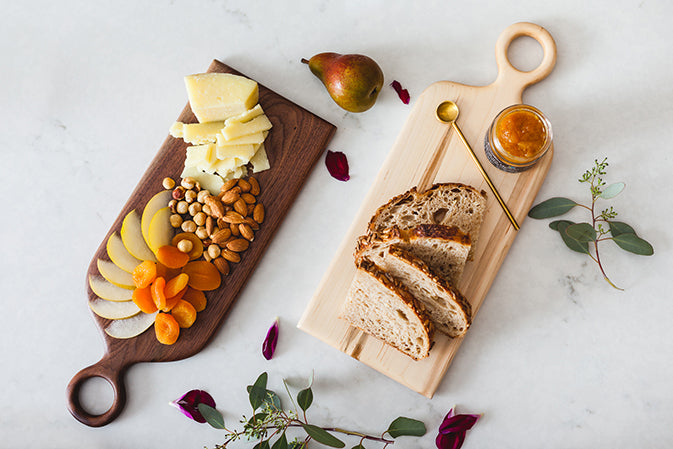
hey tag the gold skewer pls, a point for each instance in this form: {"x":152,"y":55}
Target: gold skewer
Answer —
{"x":447,"y":112}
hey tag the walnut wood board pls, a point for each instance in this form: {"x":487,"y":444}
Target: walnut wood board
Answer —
{"x":427,"y":152}
{"x":294,"y":145}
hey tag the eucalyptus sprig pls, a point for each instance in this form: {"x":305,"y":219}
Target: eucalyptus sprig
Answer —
{"x":585,"y":237}
{"x":270,"y":422}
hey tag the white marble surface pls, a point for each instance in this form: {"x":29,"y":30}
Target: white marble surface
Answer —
{"x":556,"y":358}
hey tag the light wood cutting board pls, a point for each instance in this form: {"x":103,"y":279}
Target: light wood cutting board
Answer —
{"x":426,"y":152}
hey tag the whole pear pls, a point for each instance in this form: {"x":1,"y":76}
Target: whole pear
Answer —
{"x":353,"y":81}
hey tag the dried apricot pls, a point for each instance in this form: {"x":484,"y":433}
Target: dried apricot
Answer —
{"x":158,"y":294}
{"x":166,"y":328}
{"x":144,"y":274}
{"x":196,"y":298}
{"x":172,"y":257}
{"x":176,"y":284}
{"x":173,"y":300}
{"x":197,"y":245}
{"x":142,"y":297}
{"x":184,"y":313}
{"x":202,"y":275}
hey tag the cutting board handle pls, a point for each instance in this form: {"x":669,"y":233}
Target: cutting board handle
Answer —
{"x":507,"y":72}
{"x":112,"y":372}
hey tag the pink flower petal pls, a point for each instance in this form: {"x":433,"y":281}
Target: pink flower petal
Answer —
{"x":337,"y":165}
{"x":269,"y":345}
{"x":188,"y":404}
{"x":402,"y":93}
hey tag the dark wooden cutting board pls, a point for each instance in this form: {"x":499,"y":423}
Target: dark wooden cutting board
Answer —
{"x":294,"y":145}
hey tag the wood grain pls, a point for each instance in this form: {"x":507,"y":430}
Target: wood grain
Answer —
{"x":294,"y":145}
{"x":426,"y":152}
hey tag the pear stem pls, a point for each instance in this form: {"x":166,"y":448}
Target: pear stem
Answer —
{"x":304,"y":60}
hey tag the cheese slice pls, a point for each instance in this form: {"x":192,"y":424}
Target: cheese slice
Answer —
{"x":239,"y":151}
{"x":246,"y":116}
{"x":202,"y":157}
{"x":238,"y":129}
{"x":260,"y":161}
{"x":254,"y":138}
{"x":208,"y":181}
{"x":200,"y":133}
{"x":238,"y":172}
{"x":217,"y":96}
{"x":176,"y":130}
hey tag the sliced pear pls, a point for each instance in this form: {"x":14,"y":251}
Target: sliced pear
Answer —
{"x":132,"y":236}
{"x":160,"y":232}
{"x":114,"y":274}
{"x":158,"y":201}
{"x":113,"y":310}
{"x":119,"y":255}
{"x":106,"y":290}
{"x":131,"y":327}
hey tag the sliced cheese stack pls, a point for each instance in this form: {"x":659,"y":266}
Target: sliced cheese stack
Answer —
{"x":231,"y":130}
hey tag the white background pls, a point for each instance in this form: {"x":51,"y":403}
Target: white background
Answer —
{"x":555,"y":358}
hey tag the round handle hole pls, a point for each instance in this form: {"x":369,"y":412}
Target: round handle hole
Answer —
{"x":525,"y":53}
{"x":96,"y":395}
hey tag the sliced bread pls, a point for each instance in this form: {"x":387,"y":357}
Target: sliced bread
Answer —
{"x":383,"y":308}
{"x":443,"y":248}
{"x":449,"y":204}
{"x":448,"y":309}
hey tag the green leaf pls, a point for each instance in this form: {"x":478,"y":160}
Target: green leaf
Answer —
{"x":552,"y":208}
{"x":262,"y":445}
{"x":612,"y":190}
{"x":297,"y":445}
{"x":257,"y":392}
{"x":582,"y":232}
{"x":634,"y":244}
{"x":271,"y":399}
{"x":359,"y":446}
{"x":617,"y":227}
{"x":305,"y":398}
{"x":555,"y":224}
{"x":406,"y":426}
{"x":212,"y":415}
{"x":322,"y":436}
{"x":580,"y":247}
{"x":281,"y":443}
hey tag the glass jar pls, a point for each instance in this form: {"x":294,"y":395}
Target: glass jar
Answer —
{"x":518,"y":137}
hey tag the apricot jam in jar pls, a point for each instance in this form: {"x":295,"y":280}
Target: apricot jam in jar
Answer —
{"x":518,"y":137}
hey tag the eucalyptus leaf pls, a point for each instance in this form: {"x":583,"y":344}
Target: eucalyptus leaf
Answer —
{"x":406,"y":426}
{"x":297,"y":445}
{"x":359,"y":446}
{"x":634,"y":244}
{"x":257,"y":392}
{"x":555,"y":224}
{"x":212,"y":415}
{"x":552,"y":208}
{"x":281,"y":443}
{"x":582,"y":232}
{"x":618,"y":227}
{"x":580,"y":247}
{"x":612,"y":190}
{"x":262,"y":445}
{"x":322,"y":436}
{"x":305,"y":398}
{"x":271,"y":399}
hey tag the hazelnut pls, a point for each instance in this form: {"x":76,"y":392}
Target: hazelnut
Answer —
{"x":185,"y":245}
{"x":190,"y":196}
{"x":188,"y":226}
{"x":182,"y":207}
{"x":188,"y":182}
{"x":176,"y":220}
{"x":178,"y":193}
{"x":168,"y":183}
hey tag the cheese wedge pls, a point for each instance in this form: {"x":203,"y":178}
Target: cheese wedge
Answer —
{"x":200,"y":133}
{"x":238,"y":129}
{"x":260,"y":161}
{"x":217,"y":96}
{"x":254,"y":138}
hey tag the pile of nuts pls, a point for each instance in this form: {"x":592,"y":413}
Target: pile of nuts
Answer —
{"x":225,"y":223}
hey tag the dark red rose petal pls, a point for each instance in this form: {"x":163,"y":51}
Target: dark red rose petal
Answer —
{"x":450,"y":441}
{"x":337,"y":165}
{"x":402,"y":93}
{"x":457,"y":423}
{"x":269,"y":345}
{"x":188,"y":404}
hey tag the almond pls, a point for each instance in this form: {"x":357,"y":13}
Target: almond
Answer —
{"x":221,"y":236}
{"x":230,"y":255}
{"x":246,"y":232}
{"x":234,"y":229}
{"x":210,"y":225}
{"x":234,"y":217}
{"x":241,"y":207}
{"x":249,"y":198}
{"x":230,"y":197}
{"x":244,"y":185}
{"x":252,"y":223}
{"x":238,"y":245}
{"x":215,"y":205}
{"x":228,"y":185}
{"x":254,"y":186}
{"x":258,"y":213}
{"x":221,"y":265}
